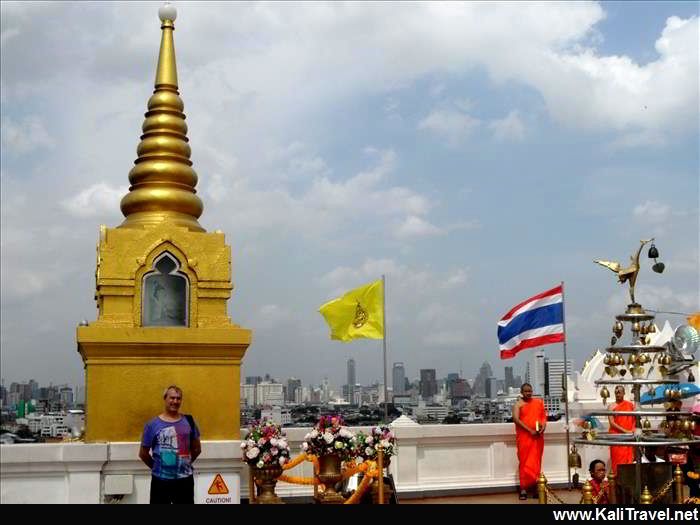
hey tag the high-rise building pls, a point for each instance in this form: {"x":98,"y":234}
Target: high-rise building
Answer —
{"x":491,"y":387}
{"x":428,"y":383}
{"x":351,"y":380}
{"x":292,"y":385}
{"x":66,"y":394}
{"x":510,"y":380}
{"x":534,"y":373}
{"x":554,"y":371}
{"x":398,"y":376}
{"x":480,"y":381}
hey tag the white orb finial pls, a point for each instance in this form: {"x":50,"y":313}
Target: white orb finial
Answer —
{"x":167,"y":12}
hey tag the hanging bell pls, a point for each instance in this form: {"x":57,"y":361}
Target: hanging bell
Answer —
{"x":652,"y":328}
{"x":691,"y":377}
{"x":613,"y":340}
{"x":653,"y":252}
{"x":659,"y":267}
{"x":643,"y":329}
{"x":604,"y":394}
{"x":667,"y":393}
{"x":635,"y":327}
{"x":646,"y":424}
{"x":574,"y":458}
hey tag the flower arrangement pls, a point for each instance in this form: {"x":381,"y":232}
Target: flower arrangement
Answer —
{"x":367,"y":443}
{"x":265,"y":445}
{"x":329,"y":436}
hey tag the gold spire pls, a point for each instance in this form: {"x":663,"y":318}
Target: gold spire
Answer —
{"x":162,"y":180}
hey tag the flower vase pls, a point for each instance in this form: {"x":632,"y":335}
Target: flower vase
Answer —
{"x":329,"y":474}
{"x":266,"y":479}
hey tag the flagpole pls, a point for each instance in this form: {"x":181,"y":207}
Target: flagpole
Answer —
{"x":386,"y":390}
{"x":566,"y":386}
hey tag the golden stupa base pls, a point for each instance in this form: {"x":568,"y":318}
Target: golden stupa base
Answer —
{"x":127,"y":369}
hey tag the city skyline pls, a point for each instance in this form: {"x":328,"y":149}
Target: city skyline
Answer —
{"x":474,"y":153}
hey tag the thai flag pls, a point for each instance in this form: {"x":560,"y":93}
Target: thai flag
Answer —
{"x":536,"y":321}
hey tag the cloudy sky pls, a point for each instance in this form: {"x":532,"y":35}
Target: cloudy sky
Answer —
{"x":475,"y":153}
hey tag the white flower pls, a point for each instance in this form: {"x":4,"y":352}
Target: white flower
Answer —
{"x":261,"y":442}
{"x":313,"y":434}
{"x":369,"y":440}
{"x":243,"y":444}
{"x":274,"y":451}
{"x":339,"y":444}
{"x":252,"y":453}
{"x":260,"y":464}
{"x":273,"y":442}
{"x":377,"y":430}
{"x":385,"y":443}
{"x":305,"y":446}
{"x":282,"y":461}
{"x":344,"y":432}
{"x":251,"y":443}
{"x":328,"y":437}
{"x":369,"y":451}
{"x":359,"y":459}
{"x":282,"y":443}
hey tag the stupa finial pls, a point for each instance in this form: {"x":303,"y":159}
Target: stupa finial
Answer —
{"x":162,"y":180}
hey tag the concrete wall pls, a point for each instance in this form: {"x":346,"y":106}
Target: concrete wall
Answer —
{"x":431,"y":460}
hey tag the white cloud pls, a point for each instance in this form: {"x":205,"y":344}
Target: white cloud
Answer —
{"x":454,"y":126}
{"x":27,"y":135}
{"x":274,"y":313}
{"x":98,"y":199}
{"x":652,"y":212}
{"x":456,"y":278}
{"x":508,"y":128}
{"x":416,"y":227}
{"x":655,"y":297}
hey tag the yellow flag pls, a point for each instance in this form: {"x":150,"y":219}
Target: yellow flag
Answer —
{"x":358,"y":313}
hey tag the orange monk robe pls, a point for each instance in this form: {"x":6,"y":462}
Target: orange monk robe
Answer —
{"x":530,"y":447}
{"x":622,"y":454}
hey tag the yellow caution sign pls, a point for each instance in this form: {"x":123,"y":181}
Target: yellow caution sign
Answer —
{"x":218,"y":486}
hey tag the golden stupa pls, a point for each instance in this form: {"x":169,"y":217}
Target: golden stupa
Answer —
{"x":162,"y":284}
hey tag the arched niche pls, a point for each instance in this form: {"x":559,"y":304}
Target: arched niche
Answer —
{"x":165,"y":293}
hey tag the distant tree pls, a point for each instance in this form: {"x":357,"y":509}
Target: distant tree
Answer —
{"x":24,"y":432}
{"x":452,"y":419}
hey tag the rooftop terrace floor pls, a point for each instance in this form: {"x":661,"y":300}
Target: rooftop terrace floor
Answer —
{"x":567,"y":496}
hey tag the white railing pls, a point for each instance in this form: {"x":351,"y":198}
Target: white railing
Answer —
{"x":431,"y":460}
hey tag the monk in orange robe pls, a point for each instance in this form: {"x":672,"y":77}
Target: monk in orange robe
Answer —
{"x":621,"y":425}
{"x":530,"y":421}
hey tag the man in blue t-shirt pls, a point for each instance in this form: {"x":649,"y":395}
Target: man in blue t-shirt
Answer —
{"x":169,"y":445}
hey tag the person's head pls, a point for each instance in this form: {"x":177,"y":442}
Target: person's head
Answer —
{"x":173,"y":399}
{"x":619,"y":393}
{"x":597,"y":470}
{"x":526,"y":391}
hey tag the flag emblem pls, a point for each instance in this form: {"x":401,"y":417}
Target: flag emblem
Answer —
{"x":536,"y":321}
{"x":360,"y":316}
